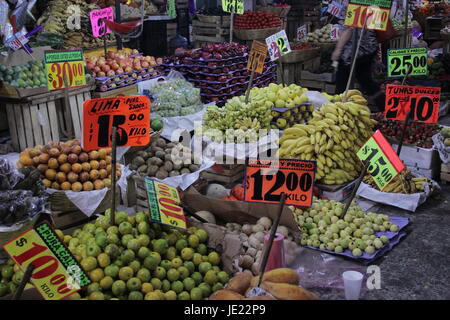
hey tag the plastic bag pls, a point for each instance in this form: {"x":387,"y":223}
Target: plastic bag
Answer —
{"x":18,"y":206}
{"x":9,"y":177}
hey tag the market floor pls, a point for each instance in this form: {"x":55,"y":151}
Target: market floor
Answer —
{"x":419,"y":266}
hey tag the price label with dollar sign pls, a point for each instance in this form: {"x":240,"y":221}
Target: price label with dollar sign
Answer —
{"x":97,"y":18}
{"x":278,"y":45}
{"x":164,"y":203}
{"x":42,"y":248}
{"x":64,"y":66}
{"x":235,"y":6}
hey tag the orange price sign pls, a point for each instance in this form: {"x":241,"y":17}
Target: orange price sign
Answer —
{"x":423,"y":102}
{"x":56,"y":273}
{"x":131,"y":116}
{"x":62,"y":64}
{"x":267,"y":179}
{"x":257,"y":57}
{"x":369,"y":14}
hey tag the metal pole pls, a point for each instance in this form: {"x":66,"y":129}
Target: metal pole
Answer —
{"x":113,"y":174}
{"x":118,"y":20}
{"x":26,"y":277}
{"x":406,"y":23}
{"x":355,"y":189}
{"x":355,"y":56}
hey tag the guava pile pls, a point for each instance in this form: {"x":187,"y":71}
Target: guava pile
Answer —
{"x":26,"y":76}
{"x":137,"y":260}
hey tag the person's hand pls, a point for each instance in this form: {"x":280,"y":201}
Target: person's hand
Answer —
{"x":336,"y":55}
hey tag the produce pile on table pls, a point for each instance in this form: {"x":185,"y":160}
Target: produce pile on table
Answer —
{"x":399,"y":24}
{"x":219,"y":70}
{"x":26,"y":76}
{"x":22,"y":194}
{"x":57,"y":18}
{"x":159,"y":161}
{"x":322,"y":228}
{"x":256,"y":20}
{"x":175,"y":97}
{"x":417,"y":133}
{"x":121,"y":68}
{"x":321,"y":35}
{"x":137,"y":260}
{"x":404,"y":183}
{"x":66,"y":166}
{"x":332,"y":137}
{"x":439,"y":67}
{"x":446,"y":134}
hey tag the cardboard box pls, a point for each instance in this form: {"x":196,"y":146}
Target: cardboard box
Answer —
{"x":418,"y":157}
{"x":18,"y":58}
{"x":337,"y":192}
{"x":124,"y":91}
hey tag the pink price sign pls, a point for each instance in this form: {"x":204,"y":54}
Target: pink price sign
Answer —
{"x":99,"y":27}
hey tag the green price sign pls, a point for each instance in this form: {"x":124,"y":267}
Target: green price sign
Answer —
{"x":236,"y":6}
{"x":400,"y":61}
{"x":171,"y":10}
{"x":384,"y":164}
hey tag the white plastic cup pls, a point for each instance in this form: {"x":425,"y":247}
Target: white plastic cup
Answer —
{"x":352,"y":284}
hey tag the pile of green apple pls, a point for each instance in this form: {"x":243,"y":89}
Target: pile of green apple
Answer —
{"x":26,"y":76}
{"x":322,"y":228}
{"x":138,"y":260}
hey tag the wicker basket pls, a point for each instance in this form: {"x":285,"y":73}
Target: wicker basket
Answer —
{"x":282,"y":12}
{"x":300,"y":55}
{"x":255,"y":34}
{"x":213,"y":19}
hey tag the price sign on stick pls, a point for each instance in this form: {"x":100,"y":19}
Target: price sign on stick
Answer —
{"x":335,"y":31}
{"x":376,"y":12}
{"x":236,"y":6}
{"x":17,"y":41}
{"x":60,"y":64}
{"x":301,"y":32}
{"x":131,"y":116}
{"x":278,"y":45}
{"x":164,"y":201}
{"x":266,"y":180}
{"x":56,"y":273}
{"x":423,"y":102}
{"x":400,"y":61}
{"x":334,"y":8}
{"x":257,"y":57}
{"x":384,"y":164}
{"x":98,"y":24}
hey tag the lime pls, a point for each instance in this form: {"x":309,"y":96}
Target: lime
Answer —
{"x":214,"y":258}
{"x":3,"y":289}
{"x":93,"y":287}
{"x":184,"y":296}
{"x":216,"y":269}
{"x":126,"y":273}
{"x":204,"y":267}
{"x":189,"y":265}
{"x":151,"y":263}
{"x":17,"y":277}
{"x":96,"y":275}
{"x":201,"y":234}
{"x":210,"y":277}
{"x":157,"y":256}
{"x":181,"y":244}
{"x":119,"y":217}
{"x":184,"y":272}
{"x":134,"y":244}
{"x":171,"y":239}
{"x":171,"y":253}
{"x":160,"y":246}
{"x":197,"y":277}
{"x":177,"y":286}
{"x":160,"y":294}
{"x":74,"y":296}
{"x":217,"y":286}
{"x":170,"y":295}
{"x":166,"y":264}
{"x":103,"y":260}
{"x":189,"y":284}
{"x":146,"y":287}
{"x":135,"y":265}
{"x":152,"y":296}
{"x":187,"y":254}
{"x":97,"y":295}
{"x":176,"y":262}
{"x":205,"y":258}
{"x":93,"y":250}
{"x":202,"y":249}
{"x":165,"y":286}
{"x":206,"y":289}
{"x":143,"y":227}
{"x":140,"y":216}
{"x":156,"y":283}
{"x":144,"y":275}
{"x":112,"y":250}
{"x":144,"y":240}
{"x":125,"y":228}
{"x":160,"y":273}
{"x":106,"y":283}
{"x":134,"y":284}
{"x":196,"y":294}
{"x":143,"y":252}
{"x":193,"y":241}
{"x":223,"y":277}
{"x":112,"y":230}
{"x":135,"y":295}
{"x":88,"y":264}
{"x":127,"y":256}
{"x":173,"y":274}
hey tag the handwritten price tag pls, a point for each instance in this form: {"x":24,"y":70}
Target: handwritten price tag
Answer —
{"x":257,"y":57}
{"x":334,"y":8}
{"x":99,"y":27}
{"x":376,"y":13}
{"x":422,"y":101}
{"x":385,"y":165}
{"x":301,"y":33}
{"x":236,"y":6}
{"x":64,"y":64}
{"x":267,"y":179}
{"x":335,"y":31}
{"x":400,"y":61}
{"x":278,"y":45}
{"x":56,"y":273}
{"x":131,"y":116}
{"x":164,"y":201}
{"x":17,"y":41}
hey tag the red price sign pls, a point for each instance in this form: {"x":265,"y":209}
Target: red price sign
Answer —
{"x":56,"y":272}
{"x":266,"y":180}
{"x":130,"y":115}
{"x":423,"y":102}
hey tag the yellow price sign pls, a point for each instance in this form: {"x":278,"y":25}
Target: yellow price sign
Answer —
{"x":377,"y":18}
{"x":56,"y":273}
{"x":64,"y":64}
{"x":164,"y":203}
{"x":236,"y":6}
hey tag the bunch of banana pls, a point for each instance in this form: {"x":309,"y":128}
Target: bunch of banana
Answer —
{"x":332,"y":137}
{"x":404,"y":183}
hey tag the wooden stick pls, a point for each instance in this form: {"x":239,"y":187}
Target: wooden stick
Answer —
{"x":247,"y":94}
{"x":231,"y":24}
{"x":272,"y":236}
{"x":68,"y":115}
{"x":355,"y":189}
{"x":280,"y":66}
{"x":113,"y":173}
{"x":26,"y":277}
{"x":408,"y":116}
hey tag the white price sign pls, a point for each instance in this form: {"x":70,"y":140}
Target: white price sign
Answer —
{"x":17,"y":41}
{"x":335,"y":31}
{"x":301,"y":33}
{"x":334,"y":8}
{"x":278,"y":45}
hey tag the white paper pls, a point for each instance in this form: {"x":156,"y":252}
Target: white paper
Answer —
{"x":174,"y":124}
{"x":316,"y":98}
{"x":444,"y":151}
